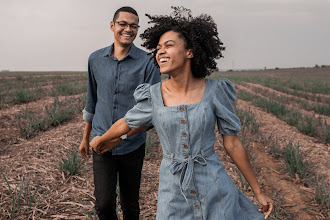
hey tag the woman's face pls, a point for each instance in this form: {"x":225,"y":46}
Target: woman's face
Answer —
{"x":172,"y":56}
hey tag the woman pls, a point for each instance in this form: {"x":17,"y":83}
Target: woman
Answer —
{"x":193,"y":183}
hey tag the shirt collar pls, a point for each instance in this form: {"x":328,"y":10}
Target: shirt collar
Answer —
{"x":133,"y":51}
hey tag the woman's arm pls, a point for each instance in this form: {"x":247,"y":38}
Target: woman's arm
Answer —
{"x":110,"y":139}
{"x":236,"y":151}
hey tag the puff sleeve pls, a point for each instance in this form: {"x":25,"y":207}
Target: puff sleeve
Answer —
{"x":141,"y":114}
{"x":223,"y":100}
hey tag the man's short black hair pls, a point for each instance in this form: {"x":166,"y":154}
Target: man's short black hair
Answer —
{"x":124,"y":9}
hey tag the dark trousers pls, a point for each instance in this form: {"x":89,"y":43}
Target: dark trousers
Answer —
{"x":128,"y":167}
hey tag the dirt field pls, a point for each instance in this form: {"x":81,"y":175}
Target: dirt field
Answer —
{"x":31,"y":165}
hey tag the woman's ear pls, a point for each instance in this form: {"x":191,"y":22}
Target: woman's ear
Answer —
{"x":190,"y":54}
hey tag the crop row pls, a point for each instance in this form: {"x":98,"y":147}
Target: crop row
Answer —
{"x":31,"y":123}
{"x":25,"y":95}
{"x":323,"y":109}
{"x":28,"y":81}
{"x":296,"y":163}
{"x":309,"y":125}
{"x":293,"y":83}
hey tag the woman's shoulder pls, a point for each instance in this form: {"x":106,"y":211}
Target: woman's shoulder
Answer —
{"x":144,"y":90}
{"x":225,"y":87}
{"x":222,"y":82}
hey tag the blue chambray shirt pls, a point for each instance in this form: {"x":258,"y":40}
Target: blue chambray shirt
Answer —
{"x":111,"y":84}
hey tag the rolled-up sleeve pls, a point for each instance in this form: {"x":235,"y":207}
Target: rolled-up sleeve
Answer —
{"x":91,"y":98}
{"x":141,"y":114}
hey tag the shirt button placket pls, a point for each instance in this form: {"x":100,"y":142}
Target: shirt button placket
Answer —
{"x":114,"y":114}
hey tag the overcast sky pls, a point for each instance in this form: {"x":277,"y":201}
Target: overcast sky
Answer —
{"x":59,"y":35}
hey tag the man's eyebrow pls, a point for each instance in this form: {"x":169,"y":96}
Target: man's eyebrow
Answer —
{"x":127,"y":22}
{"x":167,"y":42}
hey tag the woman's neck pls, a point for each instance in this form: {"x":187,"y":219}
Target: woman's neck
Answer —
{"x":183,"y":83}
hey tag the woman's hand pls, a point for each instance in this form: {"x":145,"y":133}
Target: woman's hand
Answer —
{"x":267,"y":204}
{"x":101,"y":148}
{"x":109,"y":145}
{"x":95,"y":144}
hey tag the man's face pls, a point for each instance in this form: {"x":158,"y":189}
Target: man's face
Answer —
{"x":125,"y":28}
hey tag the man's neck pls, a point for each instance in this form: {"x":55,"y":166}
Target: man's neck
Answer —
{"x":120,"y":51}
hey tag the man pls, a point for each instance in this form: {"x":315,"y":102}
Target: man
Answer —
{"x":113,"y":74}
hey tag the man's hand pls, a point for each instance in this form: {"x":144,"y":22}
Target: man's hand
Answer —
{"x":84,"y":149}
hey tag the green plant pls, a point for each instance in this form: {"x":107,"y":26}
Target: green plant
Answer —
{"x":308,"y":127}
{"x":65,"y":89}
{"x":56,"y":115}
{"x":325,"y":130}
{"x":92,"y":217}
{"x":1,"y":99}
{"x":245,"y":95}
{"x":294,"y":161}
{"x":293,"y":118}
{"x":277,"y":208}
{"x":246,"y":141}
{"x":322,"y":197}
{"x":23,"y":96}
{"x":23,"y":192}
{"x":72,"y":163}
{"x":149,"y":141}
{"x":275,"y":148}
{"x":29,"y":125}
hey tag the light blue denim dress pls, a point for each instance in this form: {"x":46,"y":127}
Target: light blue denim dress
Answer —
{"x":193,"y":183}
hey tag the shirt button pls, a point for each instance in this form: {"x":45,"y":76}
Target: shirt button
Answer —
{"x":182,"y":109}
{"x":193,"y":191}
{"x":185,"y":147}
{"x":184,"y":134}
{"x":183,"y":122}
{"x":197,"y":206}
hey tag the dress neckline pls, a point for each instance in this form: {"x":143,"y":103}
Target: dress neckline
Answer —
{"x":188,"y":105}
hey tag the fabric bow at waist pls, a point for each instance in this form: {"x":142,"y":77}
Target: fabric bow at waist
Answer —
{"x":186,"y":167}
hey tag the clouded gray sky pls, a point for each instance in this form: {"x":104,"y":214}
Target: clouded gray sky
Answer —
{"x":59,"y":35}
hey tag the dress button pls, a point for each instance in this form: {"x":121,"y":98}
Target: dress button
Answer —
{"x":184,"y":134}
{"x":185,"y":147}
{"x":193,"y":191}
{"x":182,"y":109}
{"x":197,"y":206}
{"x":183,"y":122}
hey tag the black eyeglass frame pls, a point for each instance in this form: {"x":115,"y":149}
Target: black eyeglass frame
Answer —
{"x":132,"y":26}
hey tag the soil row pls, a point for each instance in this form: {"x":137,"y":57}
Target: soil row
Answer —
{"x":296,"y":196}
{"x":290,"y":106}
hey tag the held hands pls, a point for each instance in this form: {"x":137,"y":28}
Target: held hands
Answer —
{"x":101,"y":148}
{"x":267,"y":204}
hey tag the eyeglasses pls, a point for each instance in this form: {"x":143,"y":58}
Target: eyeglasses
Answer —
{"x":123,"y":25}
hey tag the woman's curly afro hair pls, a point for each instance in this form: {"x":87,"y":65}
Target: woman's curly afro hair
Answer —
{"x":199,"y":33}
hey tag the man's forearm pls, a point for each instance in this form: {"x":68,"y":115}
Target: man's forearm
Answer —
{"x":87,"y":130}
